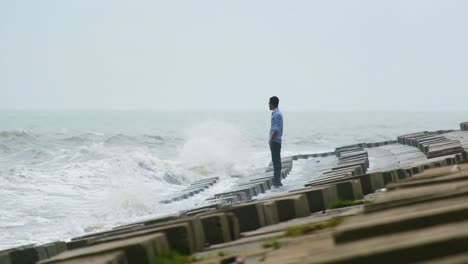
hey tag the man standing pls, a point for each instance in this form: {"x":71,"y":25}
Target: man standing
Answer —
{"x":276,"y":133}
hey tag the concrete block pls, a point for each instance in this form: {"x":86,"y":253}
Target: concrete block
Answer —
{"x":349,"y":190}
{"x":270,"y":212}
{"x":216,"y":228}
{"x":389,"y":177}
{"x":371,"y":182}
{"x":116,"y":257}
{"x":180,"y":236}
{"x":234,"y":228}
{"x":292,"y":206}
{"x":249,"y":191}
{"x":422,"y":194}
{"x":5,"y":258}
{"x":23,"y":254}
{"x":422,"y":181}
{"x":408,"y":247}
{"x":250,"y":216}
{"x":402,"y":220}
{"x":319,"y":198}
{"x":451,"y":259}
{"x":140,"y":249}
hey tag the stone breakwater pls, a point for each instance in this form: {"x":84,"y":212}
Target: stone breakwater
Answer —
{"x":414,"y":189}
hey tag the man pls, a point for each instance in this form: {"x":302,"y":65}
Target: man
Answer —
{"x":276,"y":133}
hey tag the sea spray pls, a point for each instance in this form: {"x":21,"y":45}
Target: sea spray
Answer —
{"x":217,"y":148}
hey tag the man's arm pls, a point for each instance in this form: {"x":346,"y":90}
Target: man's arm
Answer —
{"x":275,"y":127}
{"x":273,"y":136}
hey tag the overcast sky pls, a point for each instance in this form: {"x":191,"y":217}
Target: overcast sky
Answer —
{"x":234,"y":55}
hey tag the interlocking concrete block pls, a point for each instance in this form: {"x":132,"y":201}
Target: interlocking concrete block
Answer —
{"x":4,"y":258}
{"x":216,"y":228}
{"x":407,"y":247}
{"x":402,"y":220}
{"x":319,"y":198}
{"x":464,"y":126}
{"x":22,"y":254}
{"x":417,"y":195}
{"x":140,"y":249}
{"x":292,"y":206}
{"x":371,"y":182}
{"x":451,"y":259}
{"x":349,"y":190}
{"x":271,"y":213}
{"x":234,"y":228}
{"x":179,"y":234}
{"x":250,"y":216}
{"x":117,"y":257}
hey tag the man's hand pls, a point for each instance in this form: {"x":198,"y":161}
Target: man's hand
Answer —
{"x":273,"y":137}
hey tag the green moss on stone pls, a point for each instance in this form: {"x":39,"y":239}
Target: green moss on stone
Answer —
{"x":346,"y":203}
{"x":310,"y":228}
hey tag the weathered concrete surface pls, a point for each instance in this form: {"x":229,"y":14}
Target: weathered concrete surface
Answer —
{"x":219,"y":227}
{"x":116,"y":257}
{"x":402,"y":219}
{"x":417,"y":195}
{"x":18,"y":255}
{"x":141,"y":249}
{"x":292,"y":206}
{"x":4,"y":258}
{"x":319,"y":199}
{"x":180,"y":236}
{"x":406,"y":247}
{"x":250,"y":215}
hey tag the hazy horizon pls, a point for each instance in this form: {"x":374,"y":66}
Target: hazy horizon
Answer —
{"x":143,"y":55}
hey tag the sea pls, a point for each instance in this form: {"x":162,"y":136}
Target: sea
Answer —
{"x":67,"y":173}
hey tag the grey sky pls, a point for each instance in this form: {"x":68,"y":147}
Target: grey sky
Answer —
{"x":233,"y":55}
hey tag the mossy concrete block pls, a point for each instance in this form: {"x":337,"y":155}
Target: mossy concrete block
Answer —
{"x":216,"y":228}
{"x":349,"y":190}
{"x":250,"y":216}
{"x":292,"y":206}
{"x":142,"y":249}
{"x":271,"y":213}
{"x":116,"y":257}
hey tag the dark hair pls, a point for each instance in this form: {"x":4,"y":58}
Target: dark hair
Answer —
{"x":274,"y":101}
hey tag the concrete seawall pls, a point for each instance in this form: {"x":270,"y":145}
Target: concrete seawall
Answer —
{"x":403,"y":201}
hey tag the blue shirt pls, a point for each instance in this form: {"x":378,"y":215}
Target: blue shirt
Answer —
{"x":276,"y":125}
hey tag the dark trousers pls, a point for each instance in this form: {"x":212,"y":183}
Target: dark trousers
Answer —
{"x":276,"y":159}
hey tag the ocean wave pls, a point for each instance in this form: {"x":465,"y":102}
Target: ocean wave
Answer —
{"x":16,"y":134}
{"x":159,"y":138}
{"x":4,"y":148}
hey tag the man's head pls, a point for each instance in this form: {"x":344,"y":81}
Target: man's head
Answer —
{"x":274,"y":102}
